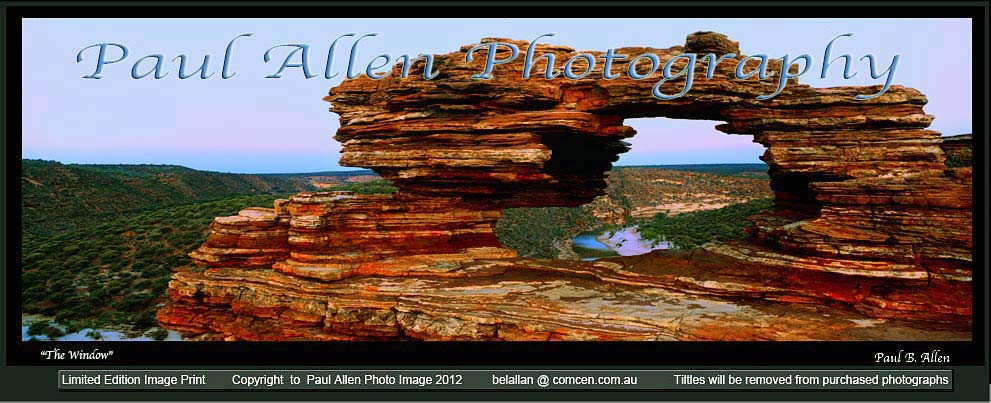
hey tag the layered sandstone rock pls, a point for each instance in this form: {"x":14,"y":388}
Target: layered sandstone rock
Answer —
{"x":651,"y":297}
{"x":868,"y":218}
{"x":256,"y":237}
{"x":334,"y":235}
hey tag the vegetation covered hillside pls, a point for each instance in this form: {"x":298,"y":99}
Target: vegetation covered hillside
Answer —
{"x":58,"y":197}
{"x":689,"y":231}
{"x":115,"y":272}
{"x":543,"y":232}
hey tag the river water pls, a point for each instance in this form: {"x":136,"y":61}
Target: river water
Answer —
{"x":622,"y":242}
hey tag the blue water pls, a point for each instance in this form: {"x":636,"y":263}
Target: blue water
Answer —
{"x":624,"y":242}
{"x":589,"y":242}
{"x":107,"y":335}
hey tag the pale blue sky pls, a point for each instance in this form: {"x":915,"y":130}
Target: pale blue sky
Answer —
{"x":252,"y":124}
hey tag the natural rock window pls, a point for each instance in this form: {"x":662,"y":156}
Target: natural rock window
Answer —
{"x":868,"y":220}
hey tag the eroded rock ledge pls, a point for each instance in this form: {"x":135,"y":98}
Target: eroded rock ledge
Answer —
{"x":870,"y":236}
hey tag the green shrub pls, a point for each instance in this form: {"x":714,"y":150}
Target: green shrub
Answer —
{"x":144,"y":320}
{"x":53,"y":332}
{"x":159,"y":334}
{"x":44,"y":328}
{"x":134,"y":302}
{"x":38,"y":328}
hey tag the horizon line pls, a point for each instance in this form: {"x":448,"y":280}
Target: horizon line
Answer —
{"x":348,"y":170}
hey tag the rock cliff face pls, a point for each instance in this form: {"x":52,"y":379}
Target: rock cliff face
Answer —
{"x":870,"y":226}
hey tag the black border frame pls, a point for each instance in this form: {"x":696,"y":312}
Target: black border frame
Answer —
{"x":407,"y":353}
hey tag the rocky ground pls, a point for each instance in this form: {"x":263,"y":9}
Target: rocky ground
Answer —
{"x":613,"y":299}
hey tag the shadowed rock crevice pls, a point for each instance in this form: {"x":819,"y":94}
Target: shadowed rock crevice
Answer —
{"x":870,"y":222}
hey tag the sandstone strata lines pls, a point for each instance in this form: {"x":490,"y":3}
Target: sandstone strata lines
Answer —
{"x":870,"y":224}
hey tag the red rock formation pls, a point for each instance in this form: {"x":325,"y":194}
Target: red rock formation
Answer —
{"x":334,"y":235}
{"x":867,"y":219}
{"x":651,"y":297}
{"x":256,"y":237}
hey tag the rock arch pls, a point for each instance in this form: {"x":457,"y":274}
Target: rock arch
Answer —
{"x":867,"y":215}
